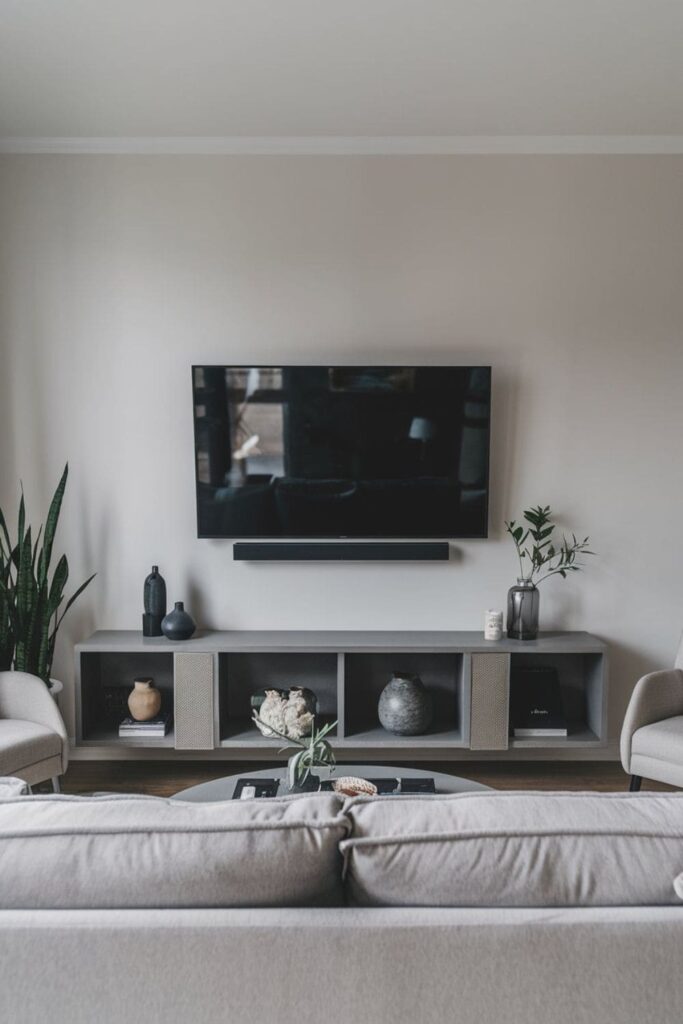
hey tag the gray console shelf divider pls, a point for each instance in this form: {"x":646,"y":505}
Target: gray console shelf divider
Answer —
{"x":207,"y":682}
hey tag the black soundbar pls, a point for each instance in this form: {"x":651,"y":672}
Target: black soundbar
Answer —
{"x":340,"y":551}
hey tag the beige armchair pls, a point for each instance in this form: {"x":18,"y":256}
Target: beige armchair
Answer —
{"x":33,"y":742}
{"x":652,"y":733}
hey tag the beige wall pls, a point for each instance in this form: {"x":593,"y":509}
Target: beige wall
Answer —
{"x":564,"y":273}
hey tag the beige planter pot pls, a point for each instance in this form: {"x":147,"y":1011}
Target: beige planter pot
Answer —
{"x":144,"y":701}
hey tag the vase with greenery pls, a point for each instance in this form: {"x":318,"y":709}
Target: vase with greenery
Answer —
{"x":540,"y":557}
{"x":32,"y":604}
{"x":314,"y":751}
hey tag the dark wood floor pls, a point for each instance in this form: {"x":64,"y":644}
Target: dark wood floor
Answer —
{"x":164,"y":778}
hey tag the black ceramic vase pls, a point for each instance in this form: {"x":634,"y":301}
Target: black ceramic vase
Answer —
{"x":154,"y":599}
{"x":178,"y":625}
{"x":405,"y":707}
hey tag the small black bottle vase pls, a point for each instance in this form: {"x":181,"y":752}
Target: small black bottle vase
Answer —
{"x":154,"y":598}
{"x":178,"y":625}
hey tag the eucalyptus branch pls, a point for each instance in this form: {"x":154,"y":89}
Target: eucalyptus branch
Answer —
{"x":545,"y":559}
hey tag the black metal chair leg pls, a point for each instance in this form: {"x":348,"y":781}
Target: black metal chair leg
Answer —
{"x":636,"y":782}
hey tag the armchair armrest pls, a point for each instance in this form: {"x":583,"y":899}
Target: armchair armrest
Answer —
{"x":657,"y":696}
{"x":27,"y":697}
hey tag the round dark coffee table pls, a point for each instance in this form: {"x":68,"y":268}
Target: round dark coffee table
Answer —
{"x":223,"y":789}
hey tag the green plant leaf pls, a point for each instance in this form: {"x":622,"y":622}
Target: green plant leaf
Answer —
{"x":52,"y":521}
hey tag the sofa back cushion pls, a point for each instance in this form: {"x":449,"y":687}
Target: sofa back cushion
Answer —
{"x":514,"y":850}
{"x":58,"y":852}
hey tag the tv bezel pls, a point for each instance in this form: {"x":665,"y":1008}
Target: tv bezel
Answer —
{"x":231,"y":538}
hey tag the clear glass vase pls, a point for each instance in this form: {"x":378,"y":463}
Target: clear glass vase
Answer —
{"x":523,"y":607}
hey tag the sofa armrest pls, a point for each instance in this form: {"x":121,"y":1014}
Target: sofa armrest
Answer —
{"x":27,"y":697}
{"x":657,"y":696}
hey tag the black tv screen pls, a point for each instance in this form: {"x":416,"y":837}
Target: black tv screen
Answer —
{"x":342,"y":451}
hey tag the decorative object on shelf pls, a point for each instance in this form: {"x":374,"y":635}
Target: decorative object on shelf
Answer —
{"x":523,"y":607}
{"x":154,"y":596}
{"x":152,"y":728}
{"x":144,"y":700}
{"x":178,"y":624}
{"x":536,"y":706}
{"x":30,"y":602}
{"x":405,"y":706}
{"x":299,"y":712}
{"x":285,"y":714}
{"x":257,"y":700}
{"x":493,"y":625}
{"x":539,"y":559}
{"x":350,"y":785}
{"x":270,"y":717}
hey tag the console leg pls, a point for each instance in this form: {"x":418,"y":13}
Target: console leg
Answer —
{"x":635,"y":784}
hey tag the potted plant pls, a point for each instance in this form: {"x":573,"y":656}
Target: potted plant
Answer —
{"x":539,"y":559}
{"x":31,"y":597}
{"x":314,"y":752}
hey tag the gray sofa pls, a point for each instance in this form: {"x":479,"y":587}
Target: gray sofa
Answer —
{"x":478,"y":907}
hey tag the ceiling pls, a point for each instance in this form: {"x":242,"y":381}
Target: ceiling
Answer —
{"x":319,"y":70}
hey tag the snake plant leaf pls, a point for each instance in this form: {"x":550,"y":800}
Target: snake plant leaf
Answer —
{"x":21,"y":521}
{"x":56,"y":592}
{"x":72,"y":599}
{"x":35,"y":550}
{"x":51,"y":524}
{"x":5,"y":542}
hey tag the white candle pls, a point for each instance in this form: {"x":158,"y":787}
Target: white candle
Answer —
{"x":493,"y":625}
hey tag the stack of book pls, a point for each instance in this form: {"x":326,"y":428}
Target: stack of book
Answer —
{"x":536,"y":704}
{"x":155,"y":727}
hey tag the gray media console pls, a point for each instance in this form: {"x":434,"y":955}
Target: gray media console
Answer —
{"x":207,"y":683}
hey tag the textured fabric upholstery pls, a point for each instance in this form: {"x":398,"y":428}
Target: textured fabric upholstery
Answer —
{"x":657,"y":696}
{"x":514,"y":849}
{"x":678,"y":663}
{"x":661,"y":740}
{"x":12,"y":786}
{"x":343,"y":966}
{"x":149,"y":852}
{"x":654,"y":768}
{"x":25,"y":698}
{"x":24,"y":743}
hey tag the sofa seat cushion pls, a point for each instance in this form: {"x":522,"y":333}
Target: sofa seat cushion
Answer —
{"x":661,"y":740}
{"x":514,"y":850}
{"x":25,"y":743}
{"x":97,"y":852}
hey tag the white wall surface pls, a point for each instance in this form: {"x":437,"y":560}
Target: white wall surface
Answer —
{"x":564,"y":273}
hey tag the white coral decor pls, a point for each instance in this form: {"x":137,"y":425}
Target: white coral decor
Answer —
{"x":289,"y":716}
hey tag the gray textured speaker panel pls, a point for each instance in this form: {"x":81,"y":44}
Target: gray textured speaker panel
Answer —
{"x":194,"y":701}
{"x":489,"y":721}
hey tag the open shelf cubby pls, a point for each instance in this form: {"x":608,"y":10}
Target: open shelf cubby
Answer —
{"x":106,"y":679}
{"x":241,"y":675}
{"x":582,"y":682}
{"x":366,"y":675}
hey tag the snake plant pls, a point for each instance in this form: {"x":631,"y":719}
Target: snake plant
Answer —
{"x":31,"y":598}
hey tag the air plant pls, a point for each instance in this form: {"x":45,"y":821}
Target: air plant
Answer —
{"x":314,"y":752}
{"x":31,"y":600}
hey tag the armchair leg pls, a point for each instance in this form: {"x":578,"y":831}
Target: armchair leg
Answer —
{"x":56,"y":788}
{"x":635,"y":784}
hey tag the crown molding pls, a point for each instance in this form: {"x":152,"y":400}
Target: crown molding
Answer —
{"x":335,"y":145}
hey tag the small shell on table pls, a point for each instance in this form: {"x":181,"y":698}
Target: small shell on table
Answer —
{"x":349,"y":785}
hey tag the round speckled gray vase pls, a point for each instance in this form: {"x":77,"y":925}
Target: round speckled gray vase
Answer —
{"x":405,"y":707}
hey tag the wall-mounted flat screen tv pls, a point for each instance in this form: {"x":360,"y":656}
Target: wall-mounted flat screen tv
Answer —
{"x":342,"y":451}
